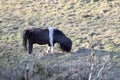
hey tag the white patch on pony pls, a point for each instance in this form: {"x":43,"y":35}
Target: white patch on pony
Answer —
{"x":51,"y":31}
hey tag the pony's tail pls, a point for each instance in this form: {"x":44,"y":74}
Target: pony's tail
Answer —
{"x":25,"y":39}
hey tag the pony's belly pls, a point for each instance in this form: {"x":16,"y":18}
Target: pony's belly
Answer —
{"x":42,"y":42}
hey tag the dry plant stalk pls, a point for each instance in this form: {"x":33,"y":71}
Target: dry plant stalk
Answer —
{"x":99,"y":72}
{"x":27,"y":71}
{"x":91,"y":58}
{"x":28,"y":67}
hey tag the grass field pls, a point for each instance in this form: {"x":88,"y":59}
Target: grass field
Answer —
{"x":97,"y":20}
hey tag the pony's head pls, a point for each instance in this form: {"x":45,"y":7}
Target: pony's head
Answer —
{"x":66,"y":45}
{"x":63,"y":40}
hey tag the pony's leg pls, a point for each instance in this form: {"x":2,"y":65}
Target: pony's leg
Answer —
{"x":30,"y":47}
{"x":49,"y":48}
{"x":52,"y":49}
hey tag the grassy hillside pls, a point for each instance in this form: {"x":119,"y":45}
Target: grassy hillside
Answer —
{"x":98,"y":20}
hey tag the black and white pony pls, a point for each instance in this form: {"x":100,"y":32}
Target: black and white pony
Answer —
{"x":48,"y":36}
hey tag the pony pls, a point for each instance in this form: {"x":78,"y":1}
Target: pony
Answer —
{"x":42,"y":36}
